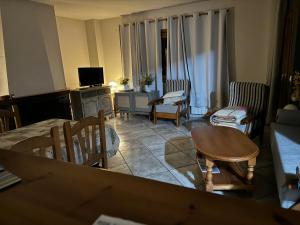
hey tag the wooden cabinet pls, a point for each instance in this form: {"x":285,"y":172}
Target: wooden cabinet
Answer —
{"x":90,"y":106}
{"x":135,"y":102}
{"x":87,"y":102}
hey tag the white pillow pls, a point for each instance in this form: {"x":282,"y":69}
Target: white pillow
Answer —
{"x":174,"y":94}
{"x":171,"y":101}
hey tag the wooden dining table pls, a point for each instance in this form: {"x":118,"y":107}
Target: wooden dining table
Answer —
{"x":9,"y":138}
{"x":56,"y":192}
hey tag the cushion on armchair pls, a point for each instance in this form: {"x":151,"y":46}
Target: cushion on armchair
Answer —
{"x":163,"y":108}
{"x":172,"y":97}
{"x":230,"y":117}
{"x":174,"y":94}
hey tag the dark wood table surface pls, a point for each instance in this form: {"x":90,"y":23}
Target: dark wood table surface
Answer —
{"x":54,"y":192}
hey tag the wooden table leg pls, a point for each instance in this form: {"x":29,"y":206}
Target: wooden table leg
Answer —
{"x":251,"y":165}
{"x":208,"y":180}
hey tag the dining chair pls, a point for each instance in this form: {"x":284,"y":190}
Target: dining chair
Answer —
{"x":176,"y":110}
{"x":40,"y":145}
{"x":6,"y":116}
{"x":88,"y":137}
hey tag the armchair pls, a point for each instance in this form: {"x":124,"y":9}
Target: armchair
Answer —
{"x":179,"y":108}
{"x":253,"y":96}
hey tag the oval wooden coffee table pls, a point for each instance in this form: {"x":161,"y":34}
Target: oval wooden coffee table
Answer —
{"x":224,"y":144}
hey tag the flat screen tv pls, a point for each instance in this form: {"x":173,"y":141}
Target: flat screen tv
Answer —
{"x":90,"y":76}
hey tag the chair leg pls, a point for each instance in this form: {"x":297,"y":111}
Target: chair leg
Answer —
{"x":177,"y":120}
{"x":105,"y":164}
{"x":188,"y":113}
{"x":154,"y":117}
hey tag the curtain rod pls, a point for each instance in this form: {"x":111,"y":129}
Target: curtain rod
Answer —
{"x":175,"y":17}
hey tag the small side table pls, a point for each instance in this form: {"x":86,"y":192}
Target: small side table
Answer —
{"x":131,"y":102}
{"x":228,"y":146}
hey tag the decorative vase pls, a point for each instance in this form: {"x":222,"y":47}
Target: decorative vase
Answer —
{"x":147,"y":88}
{"x":126,"y":87}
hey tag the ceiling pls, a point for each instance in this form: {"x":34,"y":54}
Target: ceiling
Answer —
{"x":102,"y":9}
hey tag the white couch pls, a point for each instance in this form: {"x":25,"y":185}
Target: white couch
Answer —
{"x":285,"y":145}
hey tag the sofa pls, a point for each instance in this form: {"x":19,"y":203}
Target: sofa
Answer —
{"x":285,"y":145}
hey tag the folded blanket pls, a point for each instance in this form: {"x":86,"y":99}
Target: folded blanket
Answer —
{"x":171,"y":101}
{"x":230,"y":117}
{"x":174,"y":94}
{"x":230,"y":114}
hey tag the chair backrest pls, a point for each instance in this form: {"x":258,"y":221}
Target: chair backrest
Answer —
{"x":177,"y":85}
{"x":39,"y":145}
{"x":6,"y":115}
{"x":252,"y":95}
{"x":86,"y":135}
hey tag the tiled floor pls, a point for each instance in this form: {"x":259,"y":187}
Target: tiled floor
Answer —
{"x":165,"y":153}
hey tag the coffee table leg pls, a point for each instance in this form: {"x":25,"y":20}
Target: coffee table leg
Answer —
{"x":208,"y":180}
{"x":251,"y":165}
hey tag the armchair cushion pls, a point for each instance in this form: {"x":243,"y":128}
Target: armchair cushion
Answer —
{"x":163,"y":108}
{"x":232,"y":114}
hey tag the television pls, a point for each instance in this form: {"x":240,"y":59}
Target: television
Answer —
{"x":90,"y":76}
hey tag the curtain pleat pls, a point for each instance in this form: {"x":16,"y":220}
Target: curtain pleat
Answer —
{"x":158,"y":63}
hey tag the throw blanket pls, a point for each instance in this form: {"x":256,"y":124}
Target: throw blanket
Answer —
{"x":230,"y":117}
{"x":172,"y":97}
{"x":174,"y":94}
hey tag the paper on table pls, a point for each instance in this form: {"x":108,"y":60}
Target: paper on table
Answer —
{"x":108,"y":220}
{"x":203,"y":167}
{"x":7,"y":179}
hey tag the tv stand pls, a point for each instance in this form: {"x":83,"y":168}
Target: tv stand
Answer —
{"x":89,"y":100}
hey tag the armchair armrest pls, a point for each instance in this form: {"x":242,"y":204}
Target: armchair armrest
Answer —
{"x":210,"y":113}
{"x":180,"y":102}
{"x":247,"y":120}
{"x":156,"y":101}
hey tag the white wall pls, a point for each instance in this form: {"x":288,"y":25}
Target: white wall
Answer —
{"x":3,"y":73}
{"x":94,"y":41}
{"x":50,"y":35}
{"x":111,"y":49}
{"x":74,"y":48}
{"x":253,"y":21}
{"x":32,"y":51}
{"x":90,"y":43}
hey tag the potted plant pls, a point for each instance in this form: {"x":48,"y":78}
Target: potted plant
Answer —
{"x":124,"y":82}
{"x":148,"y":80}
